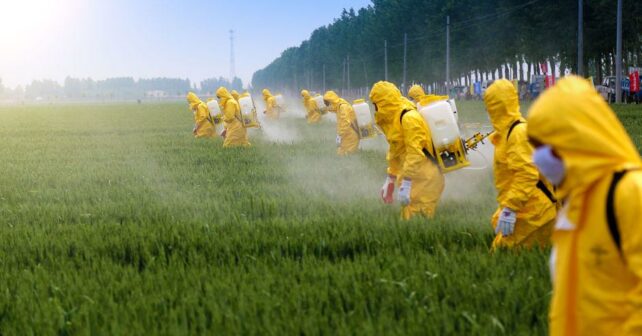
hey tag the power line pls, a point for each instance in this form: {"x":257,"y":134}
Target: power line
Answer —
{"x":504,"y":11}
{"x":439,"y":31}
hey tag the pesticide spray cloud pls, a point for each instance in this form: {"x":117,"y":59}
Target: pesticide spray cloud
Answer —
{"x":317,"y":171}
{"x":474,"y":181}
{"x":285,"y":129}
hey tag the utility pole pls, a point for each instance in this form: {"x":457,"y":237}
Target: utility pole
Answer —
{"x":448,"y":55}
{"x":323,"y":78}
{"x":405,"y":62}
{"x":232,"y":62}
{"x":348,"y":72}
{"x":580,"y":37}
{"x":618,"y":55}
{"x":343,"y":79}
{"x":365,"y":72}
{"x":296,"y":79}
{"x":385,"y":57}
{"x":310,"y":70}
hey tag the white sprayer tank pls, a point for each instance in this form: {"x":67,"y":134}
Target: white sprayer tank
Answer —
{"x":453,"y":105}
{"x":318,"y":99}
{"x":442,"y":123}
{"x":280,"y":101}
{"x":247,"y":106}
{"x":362,"y":111}
{"x":214,"y":108}
{"x":364,"y":119}
{"x":248,"y":112}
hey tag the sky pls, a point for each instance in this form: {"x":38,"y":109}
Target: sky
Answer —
{"x":53,"y":39}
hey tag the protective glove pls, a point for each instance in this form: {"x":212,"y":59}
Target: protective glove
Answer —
{"x":224,"y":133}
{"x":404,"y":192}
{"x":506,"y":222}
{"x":338,"y":140}
{"x":388,"y":189}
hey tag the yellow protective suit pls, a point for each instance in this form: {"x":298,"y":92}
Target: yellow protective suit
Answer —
{"x":236,"y":95}
{"x":346,"y":123}
{"x":417,"y":94}
{"x":314,"y":114}
{"x":236,"y":134}
{"x":597,"y":289}
{"x":272,"y":111}
{"x":203,"y":127}
{"x":407,"y":142}
{"x":516,"y":177}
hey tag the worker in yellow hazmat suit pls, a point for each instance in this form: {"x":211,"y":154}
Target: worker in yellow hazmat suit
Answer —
{"x":314,"y":113}
{"x":203,"y":126}
{"x":527,"y":204}
{"x":235,"y":95}
{"x":411,"y":154}
{"x":596,"y":261}
{"x":417,"y":94}
{"x":272,"y":111}
{"x":347,"y":132}
{"x":236,"y":134}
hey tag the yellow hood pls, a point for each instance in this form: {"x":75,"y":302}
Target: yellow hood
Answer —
{"x":416,"y":92}
{"x":502,"y":104}
{"x":389,"y":104}
{"x":305,"y":94}
{"x":266,"y":94}
{"x":193,"y":100}
{"x":223,"y":96}
{"x":429,"y":99}
{"x":576,"y":122}
{"x":334,"y":100}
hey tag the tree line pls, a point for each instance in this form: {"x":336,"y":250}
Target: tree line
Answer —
{"x":488,"y":39}
{"x":114,"y":88}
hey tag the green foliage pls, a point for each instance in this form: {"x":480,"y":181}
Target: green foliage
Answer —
{"x":485,"y":35}
{"x":115,"y":220}
{"x":121,"y":88}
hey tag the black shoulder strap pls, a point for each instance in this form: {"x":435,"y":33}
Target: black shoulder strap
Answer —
{"x":512,"y":127}
{"x":426,"y":152}
{"x":610,"y":210}
{"x":541,"y":186}
{"x":403,"y":113}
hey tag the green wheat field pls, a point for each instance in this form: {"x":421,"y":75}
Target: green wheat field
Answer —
{"x":115,"y":220}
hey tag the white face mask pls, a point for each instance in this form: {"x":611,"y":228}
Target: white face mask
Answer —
{"x":549,"y":165}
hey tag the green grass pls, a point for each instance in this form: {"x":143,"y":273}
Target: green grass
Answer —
{"x":114,"y":220}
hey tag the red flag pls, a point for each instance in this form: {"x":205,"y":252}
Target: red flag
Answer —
{"x":550,"y":81}
{"x":544,"y":68}
{"x":634,"y":82}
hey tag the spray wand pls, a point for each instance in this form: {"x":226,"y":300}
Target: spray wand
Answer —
{"x":477,"y":138}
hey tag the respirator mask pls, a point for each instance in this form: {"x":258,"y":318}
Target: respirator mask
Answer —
{"x":549,"y":164}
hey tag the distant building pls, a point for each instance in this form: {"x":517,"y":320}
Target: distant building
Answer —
{"x":156,"y":94}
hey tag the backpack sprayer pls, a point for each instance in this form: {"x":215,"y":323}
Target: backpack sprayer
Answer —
{"x":215,"y":112}
{"x":450,"y":148}
{"x":248,"y":112}
{"x":365,"y":123}
{"x":318,"y":100}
